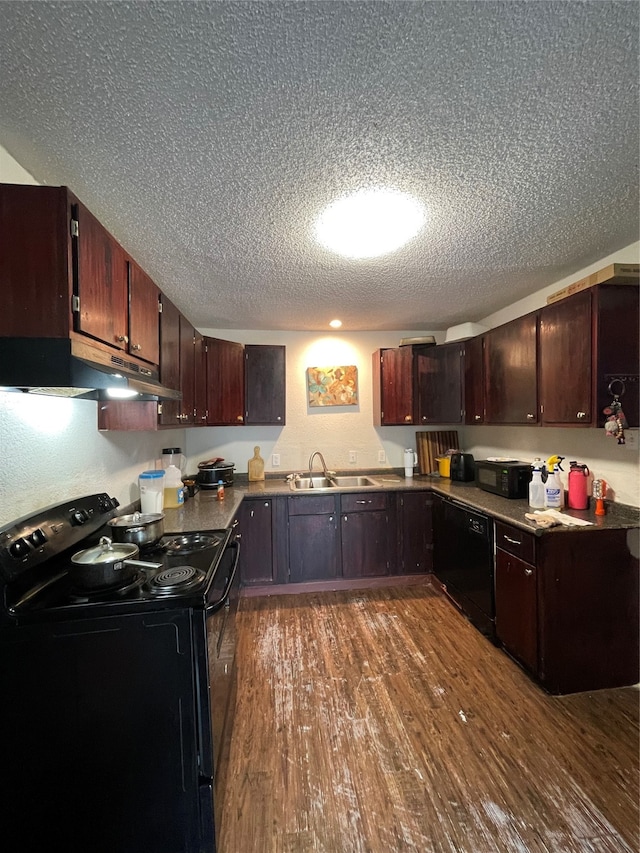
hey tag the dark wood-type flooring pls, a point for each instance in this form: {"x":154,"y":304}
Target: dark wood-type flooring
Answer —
{"x":379,"y":720}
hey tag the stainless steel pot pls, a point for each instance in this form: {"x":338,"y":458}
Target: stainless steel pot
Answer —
{"x":103,"y":565}
{"x":139,"y":528}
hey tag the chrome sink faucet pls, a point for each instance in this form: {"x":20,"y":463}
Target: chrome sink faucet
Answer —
{"x":327,"y":474}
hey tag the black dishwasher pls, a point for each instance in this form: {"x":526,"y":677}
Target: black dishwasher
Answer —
{"x":463,"y":560}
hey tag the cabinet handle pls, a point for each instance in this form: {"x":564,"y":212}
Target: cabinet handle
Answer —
{"x":278,"y":418}
{"x":136,"y":347}
{"x":363,"y":502}
{"x":581,"y":415}
{"x":408,"y":419}
{"x":531,"y":417}
{"x":123,"y":339}
{"x":528,"y":572}
{"x":330,"y":518}
{"x":509,"y":539}
{"x":478,"y":417}
{"x":240,"y":418}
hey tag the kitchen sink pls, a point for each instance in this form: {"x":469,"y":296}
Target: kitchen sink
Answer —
{"x":314,"y":483}
{"x":358,"y":482}
{"x":311,"y":483}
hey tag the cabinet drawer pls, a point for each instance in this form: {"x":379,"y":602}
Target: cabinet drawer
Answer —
{"x":363,"y":502}
{"x":304,"y":505}
{"x":515,"y":541}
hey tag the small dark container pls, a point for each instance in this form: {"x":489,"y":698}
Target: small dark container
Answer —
{"x":462,"y":467}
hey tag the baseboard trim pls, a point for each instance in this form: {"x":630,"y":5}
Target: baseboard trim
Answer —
{"x":335,"y":584}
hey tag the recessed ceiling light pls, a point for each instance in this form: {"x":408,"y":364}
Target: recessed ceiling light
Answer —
{"x":370,"y":223}
{"x":335,"y":324}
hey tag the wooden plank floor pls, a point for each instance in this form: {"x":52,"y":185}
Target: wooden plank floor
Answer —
{"x":379,"y":720}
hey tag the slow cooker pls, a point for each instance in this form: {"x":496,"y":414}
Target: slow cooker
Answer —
{"x":212,"y":471}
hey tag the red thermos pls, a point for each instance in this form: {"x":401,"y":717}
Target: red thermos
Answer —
{"x":578,"y":474}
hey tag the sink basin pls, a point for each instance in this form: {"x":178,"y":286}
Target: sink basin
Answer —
{"x":335,"y":483}
{"x":357,"y":482}
{"x":306,"y":483}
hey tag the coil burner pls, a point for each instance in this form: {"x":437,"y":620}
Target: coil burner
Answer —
{"x":175,"y":579}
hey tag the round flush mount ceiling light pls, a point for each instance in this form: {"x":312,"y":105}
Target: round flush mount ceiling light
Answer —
{"x":370,"y":223}
{"x":335,"y":324}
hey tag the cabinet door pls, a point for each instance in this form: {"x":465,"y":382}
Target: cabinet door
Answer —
{"x":256,"y":552}
{"x":364,"y":526}
{"x":265,"y":384}
{"x":392,"y":371}
{"x":187,"y":372}
{"x":474,"y":381}
{"x":440,"y":384}
{"x":517,"y":608}
{"x":169,"y":410}
{"x":225,"y":383}
{"x":100,"y":281}
{"x":314,"y":552}
{"x":565,"y":352}
{"x":200,"y":380}
{"x":415,"y":532}
{"x":510,"y":372}
{"x":144,"y":336}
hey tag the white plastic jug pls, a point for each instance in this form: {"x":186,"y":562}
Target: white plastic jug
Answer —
{"x":173,"y":488}
{"x":410,"y":461}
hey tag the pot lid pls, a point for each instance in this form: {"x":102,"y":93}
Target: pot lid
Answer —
{"x":137,"y":518}
{"x":105,"y":552}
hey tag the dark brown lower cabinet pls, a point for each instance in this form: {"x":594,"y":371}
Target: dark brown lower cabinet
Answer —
{"x":314,"y":545}
{"x":567,"y":605}
{"x":365,"y":537}
{"x":255,"y":519}
{"x":415,"y":532}
{"x":517,"y":608}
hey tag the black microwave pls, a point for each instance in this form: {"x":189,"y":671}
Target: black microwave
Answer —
{"x":507,"y":477}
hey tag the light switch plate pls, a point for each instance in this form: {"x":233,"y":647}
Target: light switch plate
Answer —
{"x":275,"y":459}
{"x":353,"y":456}
{"x":382,"y":456}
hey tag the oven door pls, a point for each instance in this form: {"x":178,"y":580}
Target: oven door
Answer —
{"x":219,"y":657}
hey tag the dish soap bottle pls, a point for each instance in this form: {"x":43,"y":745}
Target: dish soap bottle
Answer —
{"x":553,"y":489}
{"x":536,"y":486}
{"x":220,"y":494}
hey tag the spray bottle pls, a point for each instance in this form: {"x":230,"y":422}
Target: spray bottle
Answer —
{"x":553,"y":488}
{"x":536,"y":486}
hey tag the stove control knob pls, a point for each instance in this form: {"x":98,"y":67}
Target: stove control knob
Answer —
{"x":38,"y":537}
{"x":19,"y":548}
{"x":79,"y":516}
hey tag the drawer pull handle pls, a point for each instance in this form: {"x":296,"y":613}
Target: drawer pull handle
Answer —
{"x":363,"y":502}
{"x":509,"y":539}
{"x":528,"y":572}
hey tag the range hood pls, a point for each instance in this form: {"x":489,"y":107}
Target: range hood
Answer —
{"x":70,"y":368}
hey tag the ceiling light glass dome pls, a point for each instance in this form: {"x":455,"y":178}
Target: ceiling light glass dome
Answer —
{"x":370,"y":223}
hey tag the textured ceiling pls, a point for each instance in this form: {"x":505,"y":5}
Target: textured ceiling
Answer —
{"x":207,"y":136}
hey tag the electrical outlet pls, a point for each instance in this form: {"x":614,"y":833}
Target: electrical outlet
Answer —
{"x":353,"y":456}
{"x":382,"y":456}
{"x":631,"y":439}
{"x":275,"y":459}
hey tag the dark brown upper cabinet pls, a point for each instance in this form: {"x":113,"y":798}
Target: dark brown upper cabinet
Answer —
{"x":393,"y":392}
{"x":187,"y":372}
{"x":474,"y":380}
{"x":265,"y":384}
{"x":65,"y":276}
{"x":510,"y":372}
{"x":169,"y":410}
{"x":588,"y":351}
{"x":439,"y":376}
{"x":225,"y":383}
{"x":144,"y":330}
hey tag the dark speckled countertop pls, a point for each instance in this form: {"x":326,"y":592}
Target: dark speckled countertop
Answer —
{"x":205,"y":512}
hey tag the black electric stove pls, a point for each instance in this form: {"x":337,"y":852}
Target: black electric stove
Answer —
{"x":118,"y":697}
